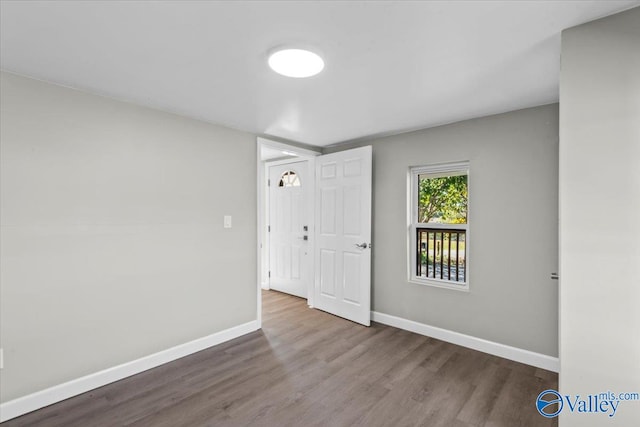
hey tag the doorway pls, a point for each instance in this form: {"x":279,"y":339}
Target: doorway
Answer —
{"x":273,"y":155}
{"x":314,"y":227}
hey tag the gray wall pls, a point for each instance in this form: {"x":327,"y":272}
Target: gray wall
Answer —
{"x":599,"y":214}
{"x":112,"y":239}
{"x":513,"y":214}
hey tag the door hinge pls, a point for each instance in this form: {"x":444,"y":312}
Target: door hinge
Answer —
{"x":269,"y":274}
{"x":268,"y":229}
{"x":268,"y":183}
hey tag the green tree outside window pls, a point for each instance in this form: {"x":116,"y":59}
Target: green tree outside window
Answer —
{"x":443,"y":200}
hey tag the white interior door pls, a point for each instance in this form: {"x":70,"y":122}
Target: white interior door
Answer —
{"x":343,"y":234}
{"x":289,"y":268}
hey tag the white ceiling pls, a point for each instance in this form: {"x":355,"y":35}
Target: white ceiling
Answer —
{"x":390,"y":66}
{"x":267,"y":153}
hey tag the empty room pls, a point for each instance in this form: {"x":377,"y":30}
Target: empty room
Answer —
{"x":320,"y":213}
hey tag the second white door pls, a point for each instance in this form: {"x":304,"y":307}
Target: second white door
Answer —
{"x":343,"y":234}
{"x":288,"y":228}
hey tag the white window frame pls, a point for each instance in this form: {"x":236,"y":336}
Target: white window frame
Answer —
{"x":436,"y":170}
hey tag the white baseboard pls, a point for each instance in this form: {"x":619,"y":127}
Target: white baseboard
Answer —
{"x":46,"y":397}
{"x":512,"y":353}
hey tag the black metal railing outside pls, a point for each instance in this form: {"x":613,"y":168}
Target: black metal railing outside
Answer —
{"x":441,"y":254}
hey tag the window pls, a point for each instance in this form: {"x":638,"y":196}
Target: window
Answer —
{"x":289,"y":179}
{"x":439,"y":228}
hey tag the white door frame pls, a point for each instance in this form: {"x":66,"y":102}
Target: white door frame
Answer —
{"x":262,"y":210}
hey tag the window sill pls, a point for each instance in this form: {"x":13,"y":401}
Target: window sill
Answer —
{"x":440,"y":284}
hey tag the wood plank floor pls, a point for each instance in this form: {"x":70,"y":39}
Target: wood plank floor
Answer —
{"x":308,"y":368}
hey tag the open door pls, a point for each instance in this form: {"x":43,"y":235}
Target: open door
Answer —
{"x":343,"y":234}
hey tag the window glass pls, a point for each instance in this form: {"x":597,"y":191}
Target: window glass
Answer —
{"x":289,"y":179}
{"x":439,"y":229}
{"x":442,"y":199}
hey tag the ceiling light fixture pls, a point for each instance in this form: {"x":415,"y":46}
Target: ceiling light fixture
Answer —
{"x":296,"y":63}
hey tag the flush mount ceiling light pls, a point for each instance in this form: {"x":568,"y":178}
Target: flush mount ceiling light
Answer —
{"x":296,"y":63}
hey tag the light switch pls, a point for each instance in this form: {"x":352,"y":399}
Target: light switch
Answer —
{"x":227,"y":221}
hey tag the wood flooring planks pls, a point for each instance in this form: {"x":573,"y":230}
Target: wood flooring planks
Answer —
{"x":309,"y":368}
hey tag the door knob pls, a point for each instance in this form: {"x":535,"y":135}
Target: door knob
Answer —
{"x":362,"y":245}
